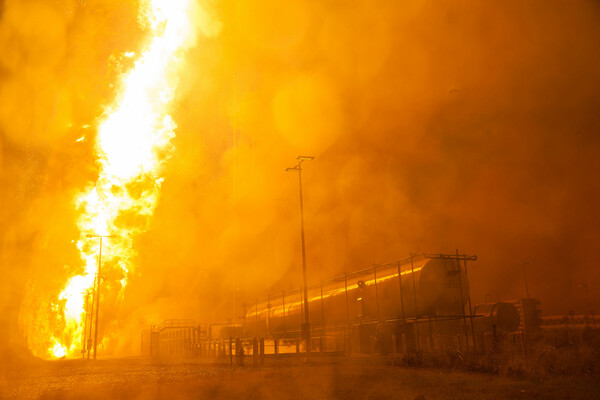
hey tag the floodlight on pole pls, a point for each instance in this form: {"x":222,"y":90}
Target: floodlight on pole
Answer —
{"x":306,"y":325}
{"x":89,"y":235}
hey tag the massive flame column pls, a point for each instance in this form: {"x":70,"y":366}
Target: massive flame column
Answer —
{"x":132,"y":145}
{"x":306,"y":325}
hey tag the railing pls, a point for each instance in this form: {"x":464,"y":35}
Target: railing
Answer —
{"x":173,"y":324}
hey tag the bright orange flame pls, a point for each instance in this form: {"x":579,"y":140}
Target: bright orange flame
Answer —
{"x":133,"y":142}
{"x":58,"y":351}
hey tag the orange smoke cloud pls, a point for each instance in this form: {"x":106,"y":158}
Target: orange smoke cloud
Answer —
{"x":435,"y":126}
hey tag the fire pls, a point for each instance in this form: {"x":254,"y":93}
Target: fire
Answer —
{"x":58,"y":351}
{"x":133,"y":142}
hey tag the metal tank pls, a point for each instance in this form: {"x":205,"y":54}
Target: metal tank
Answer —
{"x":499,"y":317}
{"x":429,"y":286}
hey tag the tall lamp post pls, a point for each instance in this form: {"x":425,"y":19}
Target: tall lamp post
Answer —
{"x":523,"y":265}
{"x":98,"y":287}
{"x":306,"y":325}
{"x":85,"y":322}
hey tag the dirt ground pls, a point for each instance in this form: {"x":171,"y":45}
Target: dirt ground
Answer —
{"x":277,"y":379}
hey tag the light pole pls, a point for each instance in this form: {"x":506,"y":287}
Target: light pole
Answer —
{"x":523,"y":264}
{"x":305,"y":328}
{"x":85,"y":322}
{"x":98,"y":287}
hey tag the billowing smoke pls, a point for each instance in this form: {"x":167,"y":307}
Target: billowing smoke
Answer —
{"x":435,"y":126}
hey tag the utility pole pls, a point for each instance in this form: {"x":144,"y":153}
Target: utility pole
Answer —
{"x":85,"y":323}
{"x":306,"y":325}
{"x":98,"y":287}
{"x":91,"y":320}
{"x":523,"y":264}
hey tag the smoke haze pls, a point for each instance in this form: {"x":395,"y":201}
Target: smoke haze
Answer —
{"x":465,"y":125}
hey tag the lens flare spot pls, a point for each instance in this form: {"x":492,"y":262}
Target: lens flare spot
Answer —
{"x":308,"y":113}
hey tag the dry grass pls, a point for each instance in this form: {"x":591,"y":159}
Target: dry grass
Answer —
{"x":366,"y":378}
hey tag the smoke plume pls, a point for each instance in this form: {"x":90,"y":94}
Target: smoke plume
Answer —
{"x":435,"y":126}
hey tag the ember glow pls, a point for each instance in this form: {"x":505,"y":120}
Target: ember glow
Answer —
{"x":133,"y":142}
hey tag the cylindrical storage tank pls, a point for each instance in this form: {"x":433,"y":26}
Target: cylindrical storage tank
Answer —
{"x":429,"y":287}
{"x":443,"y":287}
{"x":503,"y":316}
